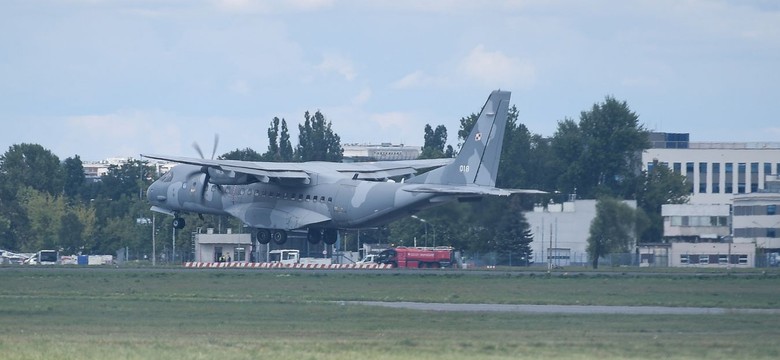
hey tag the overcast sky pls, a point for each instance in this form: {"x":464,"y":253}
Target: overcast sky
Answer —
{"x":100,"y":78}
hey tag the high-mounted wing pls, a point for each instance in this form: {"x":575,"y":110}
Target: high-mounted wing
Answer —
{"x":380,"y":170}
{"x":222,"y":170}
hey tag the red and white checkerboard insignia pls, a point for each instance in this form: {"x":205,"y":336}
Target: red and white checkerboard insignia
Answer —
{"x":478,"y":137}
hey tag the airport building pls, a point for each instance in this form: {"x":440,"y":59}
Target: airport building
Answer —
{"x":716,"y":172}
{"x":380,"y":152}
{"x":213,"y":247}
{"x":731,"y":219}
{"x":93,"y":170}
{"x":735,"y":191}
{"x":696,"y":223}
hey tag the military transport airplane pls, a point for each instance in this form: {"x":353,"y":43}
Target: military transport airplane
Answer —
{"x":323,"y":197}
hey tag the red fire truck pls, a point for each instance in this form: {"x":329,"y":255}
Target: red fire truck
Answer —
{"x":415,"y":257}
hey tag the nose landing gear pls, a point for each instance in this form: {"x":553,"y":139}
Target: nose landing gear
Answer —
{"x":178,"y":222}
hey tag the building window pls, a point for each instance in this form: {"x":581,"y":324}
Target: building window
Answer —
{"x":678,"y":168}
{"x":702,"y":178}
{"x":723,"y":259}
{"x":771,"y":233}
{"x":767,"y":168}
{"x":771,"y":209}
{"x":729,"y":170}
{"x":743,"y":259}
{"x":741,"y":176}
{"x":689,"y":175}
{"x":684,"y":260}
{"x":753,"y":177}
{"x":715,"y":178}
{"x":704,"y":260}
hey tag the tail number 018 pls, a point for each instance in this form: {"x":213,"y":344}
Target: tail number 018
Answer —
{"x":464,"y":168}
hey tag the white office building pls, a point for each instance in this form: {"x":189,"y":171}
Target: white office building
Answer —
{"x":716,"y":172}
{"x":756,"y":221}
{"x":696,"y":223}
{"x":380,"y":152}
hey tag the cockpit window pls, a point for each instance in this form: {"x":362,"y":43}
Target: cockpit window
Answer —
{"x":167,"y":177}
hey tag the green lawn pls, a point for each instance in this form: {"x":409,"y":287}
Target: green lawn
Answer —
{"x":142,"y":313}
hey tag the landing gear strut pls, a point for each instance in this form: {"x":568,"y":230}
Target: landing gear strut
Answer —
{"x":328,"y":236}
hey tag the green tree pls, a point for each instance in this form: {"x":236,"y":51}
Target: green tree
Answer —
{"x":513,"y":237}
{"x":71,"y":233}
{"x":317,"y":141}
{"x":286,"y":152}
{"x":273,"y":141}
{"x":87,"y":217}
{"x":657,"y":187}
{"x":128,"y":179}
{"x":74,"y":178}
{"x":279,"y":146}
{"x":466,"y":124}
{"x":44,"y":213}
{"x":246,"y":154}
{"x":435,"y":145}
{"x":613,"y":143}
{"x":567,"y":145}
{"x":612,"y":230}
{"x":30,"y":165}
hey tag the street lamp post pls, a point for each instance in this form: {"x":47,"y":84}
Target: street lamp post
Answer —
{"x":426,"y":229}
{"x":154,"y":242}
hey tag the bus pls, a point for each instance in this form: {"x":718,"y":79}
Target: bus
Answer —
{"x":44,"y":257}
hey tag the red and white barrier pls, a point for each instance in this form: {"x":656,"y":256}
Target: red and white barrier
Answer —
{"x":265,"y":265}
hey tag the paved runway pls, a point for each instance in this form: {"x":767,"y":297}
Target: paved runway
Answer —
{"x":565,"y":309}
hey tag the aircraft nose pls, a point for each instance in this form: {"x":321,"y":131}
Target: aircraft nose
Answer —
{"x":156,"y":193}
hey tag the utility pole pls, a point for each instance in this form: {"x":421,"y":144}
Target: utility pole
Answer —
{"x":173,"y":245}
{"x":154,"y":243}
{"x":550,"y":252}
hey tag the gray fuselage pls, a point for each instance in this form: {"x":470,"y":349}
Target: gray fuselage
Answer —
{"x":326,"y":201}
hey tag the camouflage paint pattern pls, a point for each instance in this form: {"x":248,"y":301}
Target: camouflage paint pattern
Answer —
{"x":318,"y":196}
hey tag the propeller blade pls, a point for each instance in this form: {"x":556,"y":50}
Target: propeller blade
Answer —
{"x":216,"y":142}
{"x":197,"y":148}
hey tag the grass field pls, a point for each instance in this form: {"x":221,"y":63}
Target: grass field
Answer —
{"x":228,"y":314}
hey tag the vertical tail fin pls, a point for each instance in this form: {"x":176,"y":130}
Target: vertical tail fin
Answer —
{"x":478,"y":159}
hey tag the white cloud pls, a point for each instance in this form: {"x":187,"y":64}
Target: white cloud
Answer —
{"x":362,"y":97}
{"x":339,"y":64}
{"x":390,"y":120}
{"x":497,"y":69}
{"x":415,"y":79}
{"x":240,"y":87}
{"x":121,"y":132}
{"x":265,"y":6}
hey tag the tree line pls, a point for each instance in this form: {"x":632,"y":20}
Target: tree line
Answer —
{"x":48,"y":203}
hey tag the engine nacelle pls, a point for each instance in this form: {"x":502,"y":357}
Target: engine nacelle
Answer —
{"x":221,"y":177}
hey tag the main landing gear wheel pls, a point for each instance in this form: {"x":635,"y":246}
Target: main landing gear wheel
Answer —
{"x":279,"y":237}
{"x":263,"y":236}
{"x":314,"y":236}
{"x":330,"y":236}
{"x":178,"y":223}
